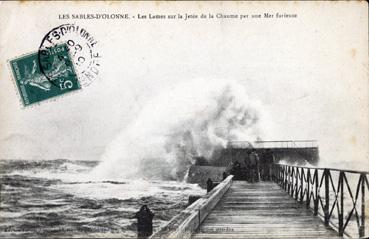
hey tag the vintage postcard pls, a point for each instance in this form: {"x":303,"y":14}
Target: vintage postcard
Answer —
{"x":234,"y":119}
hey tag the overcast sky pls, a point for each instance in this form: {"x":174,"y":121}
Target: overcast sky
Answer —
{"x":310,"y":73}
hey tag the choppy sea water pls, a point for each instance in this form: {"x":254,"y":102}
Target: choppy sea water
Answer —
{"x":56,"y":198}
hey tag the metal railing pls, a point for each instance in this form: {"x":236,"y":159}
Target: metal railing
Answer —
{"x":286,"y":144}
{"x":338,"y":196}
{"x":273,"y":144}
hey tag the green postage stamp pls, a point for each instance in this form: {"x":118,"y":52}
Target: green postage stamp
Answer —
{"x":41,"y":76}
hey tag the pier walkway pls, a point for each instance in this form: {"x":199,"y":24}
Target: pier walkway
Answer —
{"x":261,"y":210}
{"x":299,"y":202}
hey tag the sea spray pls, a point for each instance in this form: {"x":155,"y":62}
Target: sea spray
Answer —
{"x":192,"y":119}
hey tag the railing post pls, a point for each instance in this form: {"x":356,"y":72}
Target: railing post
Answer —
{"x":302,"y":185}
{"x":340,"y":213}
{"x":292,"y":181}
{"x":282,"y":176}
{"x":326,"y":206}
{"x":285,"y":178}
{"x":276,"y":172}
{"x":362,"y":226}
{"x":280,"y":170}
{"x":288,"y":179}
{"x":296,"y":183}
{"x":308,"y":189}
{"x":317,"y":196}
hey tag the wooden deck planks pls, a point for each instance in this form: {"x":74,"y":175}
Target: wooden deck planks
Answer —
{"x":261,"y":210}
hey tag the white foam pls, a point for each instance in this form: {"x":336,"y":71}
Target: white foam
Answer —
{"x":131,"y":189}
{"x":191,"y":119}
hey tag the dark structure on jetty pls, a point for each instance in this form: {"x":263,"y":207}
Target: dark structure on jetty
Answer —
{"x":294,"y":152}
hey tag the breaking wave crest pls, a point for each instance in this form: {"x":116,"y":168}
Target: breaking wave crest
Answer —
{"x":193,"y":119}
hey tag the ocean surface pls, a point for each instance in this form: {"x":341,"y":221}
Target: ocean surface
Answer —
{"x":58,"y":198}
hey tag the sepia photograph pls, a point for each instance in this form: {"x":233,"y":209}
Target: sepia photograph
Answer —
{"x":190,"y":119}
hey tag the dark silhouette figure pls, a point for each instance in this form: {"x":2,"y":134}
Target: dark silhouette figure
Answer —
{"x":144,"y":222}
{"x":224,"y":175}
{"x":209,"y":185}
{"x":263,"y":166}
{"x":268,"y":162}
{"x":236,"y":170}
{"x":253,"y":166}
{"x":247,"y":169}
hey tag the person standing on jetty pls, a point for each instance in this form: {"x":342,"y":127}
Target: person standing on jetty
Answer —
{"x":236,"y":170}
{"x":144,"y":222}
{"x":263,"y":166}
{"x":247,"y":169}
{"x":268,"y":160}
{"x":253,"y":166}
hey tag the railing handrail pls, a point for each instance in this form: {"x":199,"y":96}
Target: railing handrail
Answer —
{"x":188,"y":220}
{"x":274,"y":144}
{"x":324,"y":168}
{"x":282,"y":141}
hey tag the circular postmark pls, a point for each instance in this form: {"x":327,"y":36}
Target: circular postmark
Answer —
{"x":81,"y":46}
